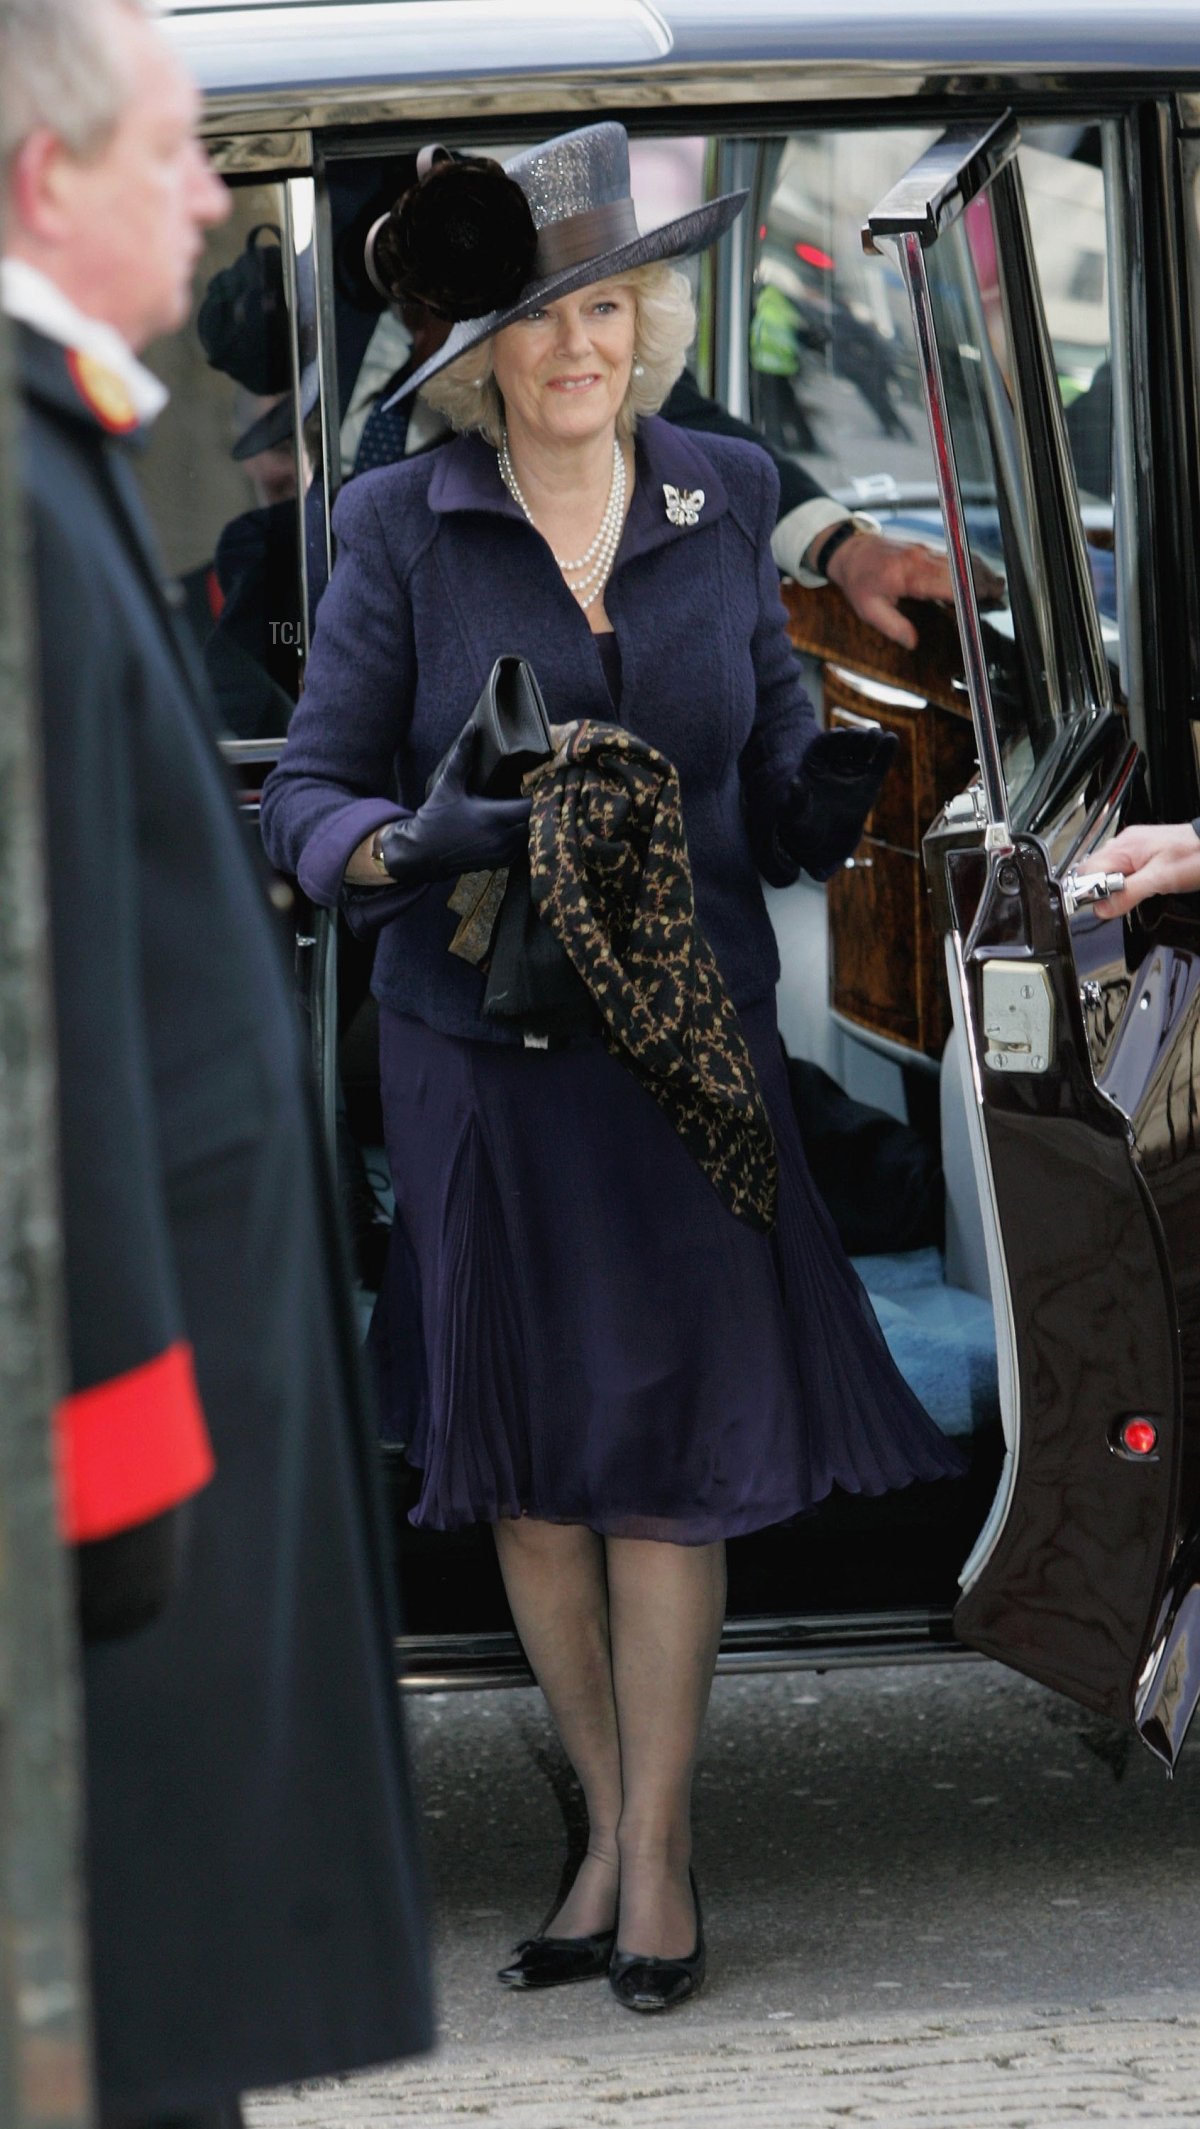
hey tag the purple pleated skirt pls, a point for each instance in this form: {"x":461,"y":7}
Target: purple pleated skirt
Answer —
{"x":574,"y":1327}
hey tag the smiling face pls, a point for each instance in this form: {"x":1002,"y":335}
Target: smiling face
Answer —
{"x":563,"y":372}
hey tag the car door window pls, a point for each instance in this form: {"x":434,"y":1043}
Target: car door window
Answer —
{"x":833,"y":377}
{"x":1046,"y":682}
{"x":835,"y":381}
{"x":1074,"y":235}
{"x":832,"y":364}
{"x":231,"y":474}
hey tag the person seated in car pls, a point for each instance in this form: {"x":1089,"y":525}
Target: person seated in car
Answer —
{"x":246,"y":607}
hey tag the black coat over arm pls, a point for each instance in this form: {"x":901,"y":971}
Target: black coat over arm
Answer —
{"x":255,"y":1915}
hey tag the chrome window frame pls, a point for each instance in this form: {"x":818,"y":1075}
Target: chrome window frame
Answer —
{"x":1189,"y":176}
{"x":927,"y":202}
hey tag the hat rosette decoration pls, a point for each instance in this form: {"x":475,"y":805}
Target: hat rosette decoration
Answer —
{"x":461,"y":240}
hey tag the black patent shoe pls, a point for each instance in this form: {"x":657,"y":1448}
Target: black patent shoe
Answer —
{"x":646,"y":1984}
{"x":549,"y":1962}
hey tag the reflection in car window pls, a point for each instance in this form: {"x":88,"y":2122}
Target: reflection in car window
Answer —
{"x":964,"y":280}
{"x":832,"y":365}
{"x":1068,"y":223}
{"x":224,"y":469}
{"x":833,"y":376}
{"x":1038,"y":697}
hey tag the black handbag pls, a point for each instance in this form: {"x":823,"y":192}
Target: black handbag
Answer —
{"x":530,"y":981}
{"x":512,"y":735}
{"x":512,"y":731}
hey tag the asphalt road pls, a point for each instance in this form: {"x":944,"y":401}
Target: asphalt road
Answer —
{"x":931,"y":1896}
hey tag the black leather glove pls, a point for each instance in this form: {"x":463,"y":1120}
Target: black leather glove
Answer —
{"x":455,"y":831}
{"x":838,"y":781}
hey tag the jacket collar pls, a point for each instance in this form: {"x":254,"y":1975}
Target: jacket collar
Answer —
{"x":30,"y":296}
{"x":71,"y":382}
{"x":467,"y":477}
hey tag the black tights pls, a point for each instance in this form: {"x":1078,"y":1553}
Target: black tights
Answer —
{"x":622,"y":1635}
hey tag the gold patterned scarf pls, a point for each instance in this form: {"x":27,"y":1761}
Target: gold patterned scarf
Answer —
{"x":610,"y":875}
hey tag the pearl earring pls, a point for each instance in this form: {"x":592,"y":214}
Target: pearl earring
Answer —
{"x":639,"y":369}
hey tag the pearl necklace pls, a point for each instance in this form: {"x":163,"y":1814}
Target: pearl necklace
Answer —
{"x":603,"y":551}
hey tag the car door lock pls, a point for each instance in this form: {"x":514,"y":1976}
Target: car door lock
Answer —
{"x":1018,"y":1016}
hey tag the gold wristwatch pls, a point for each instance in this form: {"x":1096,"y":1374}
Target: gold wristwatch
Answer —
{"x":375,"y":853}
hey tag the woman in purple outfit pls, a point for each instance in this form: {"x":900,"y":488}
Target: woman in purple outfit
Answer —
{"x":620,"y":1372}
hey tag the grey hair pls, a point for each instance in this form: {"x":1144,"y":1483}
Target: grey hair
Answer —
{"x":59,"y":70}
{"x":467,"y":394}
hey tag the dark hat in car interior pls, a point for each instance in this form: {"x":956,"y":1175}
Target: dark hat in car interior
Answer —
{"x":360,"y":195}
{"x":243,"y":328}
{"x":484,"y":243}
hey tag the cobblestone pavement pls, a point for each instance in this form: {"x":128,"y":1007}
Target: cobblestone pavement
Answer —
{"x":933,"y":1897}
{"x":968,"y":2074}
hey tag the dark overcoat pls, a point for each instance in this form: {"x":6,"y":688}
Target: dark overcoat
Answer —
{"x":255,"y":1910}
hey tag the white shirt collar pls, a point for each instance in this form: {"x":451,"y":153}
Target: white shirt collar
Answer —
{"x":30,"y":295}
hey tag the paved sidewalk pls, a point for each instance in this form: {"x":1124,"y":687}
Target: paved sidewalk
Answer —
{"x":934,"y":1899}
{"x":965,"y":2074}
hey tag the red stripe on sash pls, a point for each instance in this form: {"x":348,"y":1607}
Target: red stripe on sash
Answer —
{"x":130,"y":1448}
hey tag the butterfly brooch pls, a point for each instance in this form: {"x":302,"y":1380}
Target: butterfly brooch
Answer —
{"x":683,"y":504}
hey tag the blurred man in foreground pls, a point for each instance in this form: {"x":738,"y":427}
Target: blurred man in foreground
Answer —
{"x":254,"y":1916}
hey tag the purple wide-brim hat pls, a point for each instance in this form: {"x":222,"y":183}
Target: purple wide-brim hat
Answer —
{"x":577,"y":187}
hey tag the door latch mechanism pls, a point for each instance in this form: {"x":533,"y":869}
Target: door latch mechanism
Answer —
{"x":1018,"y":1016}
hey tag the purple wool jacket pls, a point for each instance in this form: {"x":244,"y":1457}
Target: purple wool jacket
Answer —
{"x":439,"y":574}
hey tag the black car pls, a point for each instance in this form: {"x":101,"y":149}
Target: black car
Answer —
{"x":964,"y":296}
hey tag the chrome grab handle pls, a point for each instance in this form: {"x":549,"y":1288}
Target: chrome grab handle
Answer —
{"x":1081,"y":888}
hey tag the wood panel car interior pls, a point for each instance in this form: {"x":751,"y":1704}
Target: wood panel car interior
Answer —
{"x":963,"y":298}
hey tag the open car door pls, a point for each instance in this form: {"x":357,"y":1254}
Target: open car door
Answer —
{"x":1081,"y":1039}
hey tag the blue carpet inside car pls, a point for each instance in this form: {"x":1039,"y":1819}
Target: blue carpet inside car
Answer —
{"x":942,"y":1339}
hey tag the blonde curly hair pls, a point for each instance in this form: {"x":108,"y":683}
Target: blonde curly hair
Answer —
{"x":467,"y":394}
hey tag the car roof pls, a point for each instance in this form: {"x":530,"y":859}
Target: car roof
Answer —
{"x":319,"y":56}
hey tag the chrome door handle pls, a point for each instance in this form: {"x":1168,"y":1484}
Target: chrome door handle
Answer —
{"x":854,"y":719}
{"x":1081,"y":888}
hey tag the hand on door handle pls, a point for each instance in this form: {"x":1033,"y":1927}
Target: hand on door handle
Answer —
{"x":1150,"y":861}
